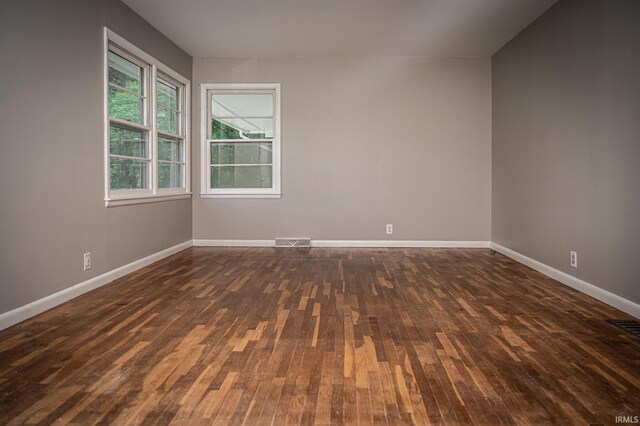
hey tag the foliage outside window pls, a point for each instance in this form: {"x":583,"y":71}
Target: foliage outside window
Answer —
{"x":147,"y":141}
{"x":241,"y":142}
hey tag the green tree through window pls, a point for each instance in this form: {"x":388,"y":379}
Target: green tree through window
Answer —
{"x":127,"y":173}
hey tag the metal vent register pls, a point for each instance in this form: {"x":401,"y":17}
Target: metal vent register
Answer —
{"x":632,"y":327}
{"x":293,"y":242}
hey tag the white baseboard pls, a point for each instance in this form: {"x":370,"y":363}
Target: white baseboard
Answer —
{"x":399,"y":243}
{"x":598,"y":293}
{"x":34,"y":308}
{"x":234,"y":243}
{"x":345,"y":243}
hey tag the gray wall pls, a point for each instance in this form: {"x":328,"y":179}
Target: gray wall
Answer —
{"x":566,"y":142}
{"x":365,"y":142}
{"x":51,"y":153}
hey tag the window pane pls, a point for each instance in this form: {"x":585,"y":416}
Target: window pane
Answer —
{"x":125,"y":105}
{"x":129,"y":174}
{"x":167,"y":120}
{"x":170,"y":175}
{"x":241,"y":153}
{"x":167,"y":93}
{"x":125,"y":73}
{"x":170,"y":149}
{"x":241,"y":176}
{"x":242,"y":128}
{"x":132,"y":143}
{"x":242,"y":105}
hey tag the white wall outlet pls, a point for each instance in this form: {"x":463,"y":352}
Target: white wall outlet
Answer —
{"x":389,"y":228}
{"x":87,"y":261}
{"x":574,"y":259}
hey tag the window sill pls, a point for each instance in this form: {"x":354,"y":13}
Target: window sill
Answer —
{"x":145,"y":199}
{"x":240,"y":195}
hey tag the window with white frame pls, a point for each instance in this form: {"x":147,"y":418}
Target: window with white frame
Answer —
{"x":240,"y":140}
{"x":146,"y":138}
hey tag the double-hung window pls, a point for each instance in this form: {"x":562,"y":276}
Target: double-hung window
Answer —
{"x":146,"y":120}
{"x":171,"y":135}
{"x":240,"y":140}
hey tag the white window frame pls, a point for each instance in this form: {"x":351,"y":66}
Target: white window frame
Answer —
{"x":205,"y":155}
{"x":152,"y":68}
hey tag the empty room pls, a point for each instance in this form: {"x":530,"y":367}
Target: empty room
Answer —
{"x":270,"y":212}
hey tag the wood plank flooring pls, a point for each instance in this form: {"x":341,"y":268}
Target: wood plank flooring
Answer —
{"x":323,"y":336}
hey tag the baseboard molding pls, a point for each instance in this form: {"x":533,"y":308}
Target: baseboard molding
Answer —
{"x":399,"y":243}
{"x":34,"y":308}
{"x":234,"y":243}
{"x":598,"y":293}
{"x":346,"y":243}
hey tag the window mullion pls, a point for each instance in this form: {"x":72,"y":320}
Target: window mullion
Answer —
{"x":129,"y":91}
{"x":209,"y":135}
{"x":154,"y":132}
{"x":180,"y":108}
{"x":170,"y":135}
{"x":241,"y":165}
{"x":129,"y":157}
{"x":230,"y":141}
{"x":128,"y":124}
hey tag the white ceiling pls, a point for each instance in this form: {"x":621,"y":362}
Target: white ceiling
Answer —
{"x":285,"y":28}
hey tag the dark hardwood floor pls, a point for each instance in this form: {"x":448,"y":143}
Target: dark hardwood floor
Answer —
{"x":299,"y":336}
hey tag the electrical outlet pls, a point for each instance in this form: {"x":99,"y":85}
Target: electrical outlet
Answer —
{"x":574,"y":259}
{"x":87,"y":261}
{"x":389,"y":228}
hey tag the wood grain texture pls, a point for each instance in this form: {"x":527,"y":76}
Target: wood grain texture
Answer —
{"x":323,"y":336}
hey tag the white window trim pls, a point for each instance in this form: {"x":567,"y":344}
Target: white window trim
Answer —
{"x":205,"y":157}
{"x":155,"y":194}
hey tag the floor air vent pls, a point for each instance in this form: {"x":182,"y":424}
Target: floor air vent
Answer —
{"x":293,"y":242}
{"x":632,"y":327}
